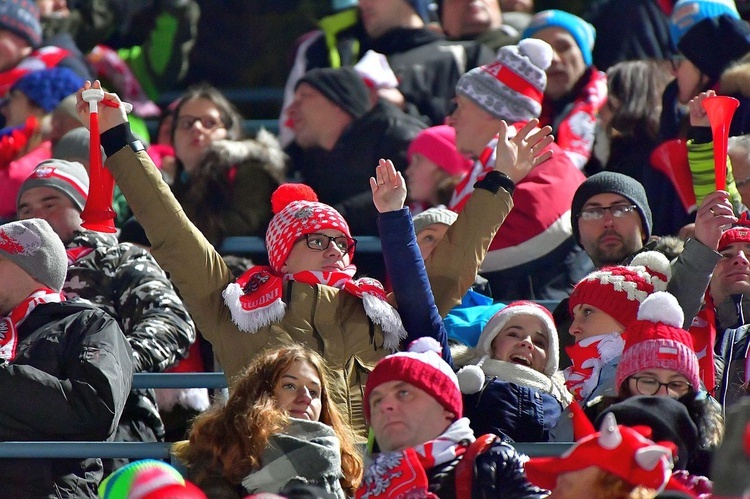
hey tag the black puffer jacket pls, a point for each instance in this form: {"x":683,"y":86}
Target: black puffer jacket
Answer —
{"x":498,"y":472}
{"x":68,"y":381}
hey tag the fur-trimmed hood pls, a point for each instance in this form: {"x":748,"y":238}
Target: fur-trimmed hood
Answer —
{"x":736,"y":79}
{"x":263,"y":149}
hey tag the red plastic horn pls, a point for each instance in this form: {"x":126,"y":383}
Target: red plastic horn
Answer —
{"x":98,"y":214}
{"x":671,"y":158}
{"x":720,"y":110}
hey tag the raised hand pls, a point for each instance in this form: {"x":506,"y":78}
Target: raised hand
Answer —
{"x":516,"y":157}
{"x":698,"y":116}
{"x":714,"y":216}
{"x":388,"y":187}
{"x":110,"y":115}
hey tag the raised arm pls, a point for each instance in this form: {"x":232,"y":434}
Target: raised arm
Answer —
{"x":403,"y":261}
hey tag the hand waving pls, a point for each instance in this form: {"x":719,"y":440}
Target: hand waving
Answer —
{"x":517,"y":156}
{"x":388,"y":187}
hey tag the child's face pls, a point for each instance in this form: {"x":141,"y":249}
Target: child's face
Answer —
{"x":429,"y":237}
{"x":306,"y":258}
{"x":522,"y":341}
{"x":590,"y":321}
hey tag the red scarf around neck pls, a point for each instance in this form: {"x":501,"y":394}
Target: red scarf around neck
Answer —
{"x":255,"y":299}
{"x":10,"y":323}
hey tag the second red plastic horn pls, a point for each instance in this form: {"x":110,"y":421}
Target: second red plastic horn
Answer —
{"x":720,"y":110}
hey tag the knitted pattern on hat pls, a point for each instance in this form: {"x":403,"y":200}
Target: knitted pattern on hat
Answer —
{"x":436,"y":215}
{"x":46,"y":88}
{"x":68,"y":177}
{"x":297,"y":212}
{"x":501,"y":318}
{"x":21,"y":17}
{"x":33,"y":245}
{"x":438,"y":144}
{"x":582,"y":32}
{"x":657,"y":341}
{"x":619,"y":290}
{"x":687,"y":13}
{"x":512,"y":87}
{"x":423,"y":367}
{"x":614,"y":183}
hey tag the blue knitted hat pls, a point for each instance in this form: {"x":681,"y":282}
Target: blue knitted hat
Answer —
{"x":47,"y":87}
{"x":583,"y":33}
{"x":21,"y":17}
{"x":687,"y":13}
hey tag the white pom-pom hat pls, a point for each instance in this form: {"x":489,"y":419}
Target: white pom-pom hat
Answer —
{"x":657,"y":341}
{"x":423,"y":367}
{"x":512,"y":87}
{"x":513,"y":309}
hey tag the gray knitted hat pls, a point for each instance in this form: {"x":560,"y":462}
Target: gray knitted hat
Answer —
{"x":69,"y":177}
{"x":433,"y":216}
{"x":512,"y":87}
{"x":615,"y":183}
{"x":33,"y":245}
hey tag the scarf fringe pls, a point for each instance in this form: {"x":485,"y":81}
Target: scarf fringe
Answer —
{"x":251,"y":321}
{"x":383,"y":314}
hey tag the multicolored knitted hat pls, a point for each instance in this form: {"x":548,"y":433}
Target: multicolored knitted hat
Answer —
{"x":148,"y":479}
{"x":21,"y":17}
{"x":298,"y":212}
{"x":423,"y":367}
{"x":657,"y":340}
{"x":624,"y":452}
{"x":619,"y":290}
{"x":512,"y":87}
{"x":501,"y":318}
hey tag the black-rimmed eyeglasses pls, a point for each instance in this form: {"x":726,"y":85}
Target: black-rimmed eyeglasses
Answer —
{"x":321,"y":242}
{"x":646,"y":385}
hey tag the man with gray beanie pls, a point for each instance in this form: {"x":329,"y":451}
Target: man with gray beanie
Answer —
{"x":533,"y":255}
{"x":120,"y":278}
{"x":339,"y":136}
{"x":65,"y":367}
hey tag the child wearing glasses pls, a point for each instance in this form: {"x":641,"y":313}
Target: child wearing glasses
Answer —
{"x":659,"y":360}
{"x":307,"y":294}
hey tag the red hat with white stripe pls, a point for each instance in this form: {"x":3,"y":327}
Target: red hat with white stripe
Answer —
{"x":69,"y":177}
{"x":656,"y":340}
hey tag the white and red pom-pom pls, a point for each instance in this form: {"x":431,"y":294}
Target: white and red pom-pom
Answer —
{"x":288,"y":193}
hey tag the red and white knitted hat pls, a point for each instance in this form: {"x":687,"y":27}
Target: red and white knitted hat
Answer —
{"x":512,"y":87}
{"x":657,"y":340}
{"x":620,"y":450}
{"x":619,"y":290}
{"x":423,"y":367}
{"x":298,"y":212}
{"x":522,"y":307}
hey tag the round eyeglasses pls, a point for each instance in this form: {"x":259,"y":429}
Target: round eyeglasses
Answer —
{"x":646,"y":385}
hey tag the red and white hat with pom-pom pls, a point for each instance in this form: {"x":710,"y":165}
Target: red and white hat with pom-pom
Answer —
{"x":423,"y":367}
{"x":298,"y":212}
{"x":624,"y":452}
{"x":657,"y":340}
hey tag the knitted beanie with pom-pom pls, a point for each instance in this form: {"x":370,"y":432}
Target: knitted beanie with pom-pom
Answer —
{"x":297,"y":212}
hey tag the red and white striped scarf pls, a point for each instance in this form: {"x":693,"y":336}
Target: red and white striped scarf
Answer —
{"x":10,"y":323}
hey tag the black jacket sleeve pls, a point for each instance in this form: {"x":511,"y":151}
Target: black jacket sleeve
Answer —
{"x":499,"y":473}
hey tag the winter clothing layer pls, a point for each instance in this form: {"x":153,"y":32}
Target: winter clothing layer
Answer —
{"x":230,"y":193}
{"x":331,"y":322}
{"x":68,"y":381}
{"x":341,"y":176}
{"x":125,"y":281}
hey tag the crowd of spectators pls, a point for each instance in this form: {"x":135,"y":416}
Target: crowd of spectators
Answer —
{"x":566,"y":252}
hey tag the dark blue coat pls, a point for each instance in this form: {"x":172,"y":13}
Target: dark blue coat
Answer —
{"x":513,"y":411}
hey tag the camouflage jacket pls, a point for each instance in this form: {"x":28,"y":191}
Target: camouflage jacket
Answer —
{"x":125,"y":281}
